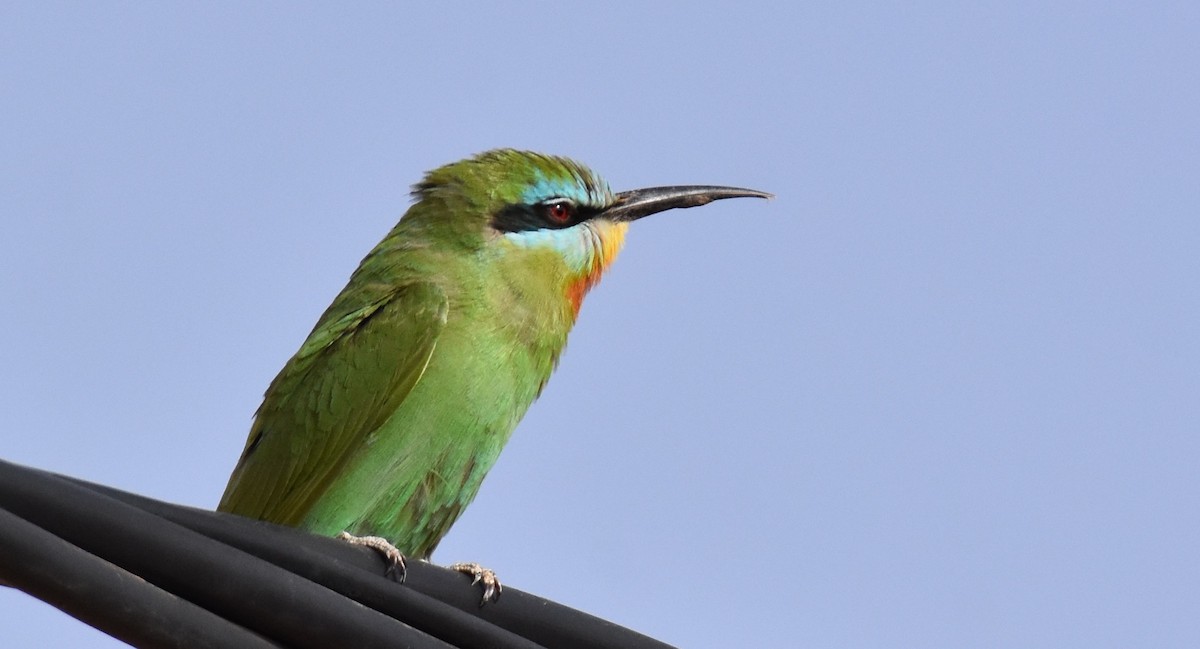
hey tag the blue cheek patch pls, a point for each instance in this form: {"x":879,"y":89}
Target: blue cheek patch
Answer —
{"x":577,"y":244}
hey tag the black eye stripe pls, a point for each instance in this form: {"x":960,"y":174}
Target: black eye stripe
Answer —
{"x":523,"y":218}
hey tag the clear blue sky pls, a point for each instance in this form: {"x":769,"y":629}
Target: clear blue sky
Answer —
{"x":942,"y":392}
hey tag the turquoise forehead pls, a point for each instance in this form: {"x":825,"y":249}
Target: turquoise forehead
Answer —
{"x":567,"y":181}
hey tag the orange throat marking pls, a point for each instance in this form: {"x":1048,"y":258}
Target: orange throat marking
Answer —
{"x":607,"y":239}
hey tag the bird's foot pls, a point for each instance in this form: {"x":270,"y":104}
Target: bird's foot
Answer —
{"x":391,"y":555}
{"x":481,"y":575}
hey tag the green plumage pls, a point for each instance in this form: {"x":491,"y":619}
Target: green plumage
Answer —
{"x":403,"y":395}
{"x":398,"y":403}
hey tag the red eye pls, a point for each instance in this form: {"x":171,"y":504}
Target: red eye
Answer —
{"x":559,"y":212}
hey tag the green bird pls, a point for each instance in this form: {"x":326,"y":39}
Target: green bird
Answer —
{"x":387,"y":419}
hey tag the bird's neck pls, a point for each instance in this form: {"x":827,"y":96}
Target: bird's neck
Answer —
{"x":533,"y":286}
{"x":567,"y":262}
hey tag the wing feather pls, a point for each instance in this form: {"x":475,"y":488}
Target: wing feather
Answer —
{"x":348,"y":378}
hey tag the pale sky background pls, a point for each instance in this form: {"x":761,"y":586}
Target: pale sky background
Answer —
{"x":942,"y":392}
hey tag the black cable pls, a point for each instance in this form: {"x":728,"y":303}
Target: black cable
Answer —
{"x":224,"y":580}
{"x":547,"y":623}
{"x":266,"y":577}
{"x":107,"y":597}
{"x":353,"y":571}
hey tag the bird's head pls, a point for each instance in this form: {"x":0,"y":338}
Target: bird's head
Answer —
{"x":548,"y":211}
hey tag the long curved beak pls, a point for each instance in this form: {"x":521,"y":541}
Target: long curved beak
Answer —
{"x":636,"y":203}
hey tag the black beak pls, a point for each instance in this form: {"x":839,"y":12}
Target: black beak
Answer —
{"x":636,"y":203}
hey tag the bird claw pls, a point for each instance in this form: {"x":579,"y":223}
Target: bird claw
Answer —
{"x":479,"y":574}
{"x":396,"y":569}
{"x":391,"y":555}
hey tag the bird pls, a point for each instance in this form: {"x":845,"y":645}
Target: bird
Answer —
{"x":381,"y":428}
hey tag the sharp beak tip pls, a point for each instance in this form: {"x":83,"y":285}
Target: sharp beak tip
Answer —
{"x":738,"y":192}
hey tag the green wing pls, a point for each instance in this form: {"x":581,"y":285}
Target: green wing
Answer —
{"x":351,"y":374}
